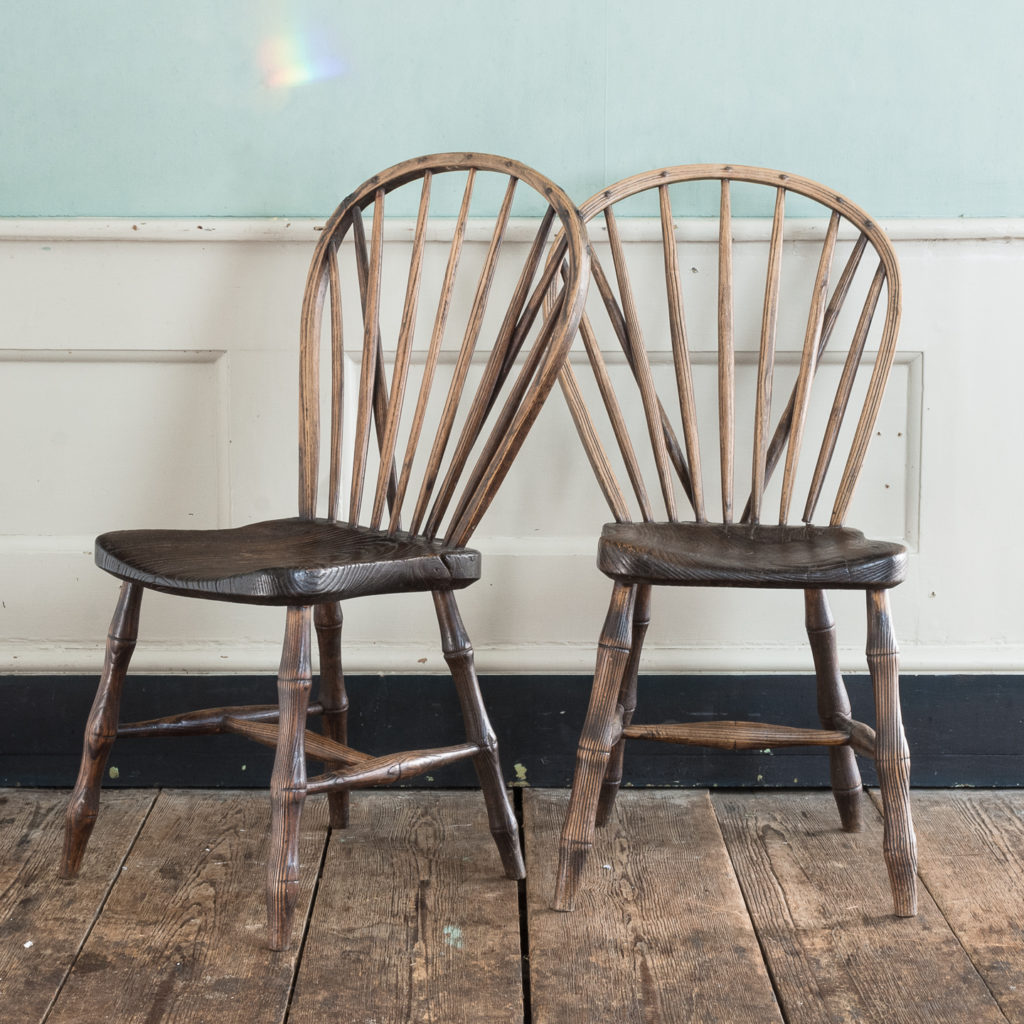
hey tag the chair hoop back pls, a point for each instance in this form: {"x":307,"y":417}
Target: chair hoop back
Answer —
{"x":441,"y":447}
{"x":671,"y":423}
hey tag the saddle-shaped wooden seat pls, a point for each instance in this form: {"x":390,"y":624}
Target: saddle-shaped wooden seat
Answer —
{"x":285,"y":561}
{"x":748,"y":555}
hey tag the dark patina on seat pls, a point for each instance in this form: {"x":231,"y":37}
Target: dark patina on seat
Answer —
{"x":748,"y":555}
{"x":285,"y":561}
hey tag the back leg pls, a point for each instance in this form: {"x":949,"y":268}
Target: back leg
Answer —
{"x":328,"y":621}
{"x":101,"y":729}
{"x":833,"y":707}
{"x":458,"y":653}
{"x":627,"y":702}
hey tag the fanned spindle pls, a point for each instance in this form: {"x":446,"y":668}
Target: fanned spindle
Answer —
{"x":843,"y":391}
{"x":726,"y":354}
{"x":872,"y":402}
{"x":462,"y":365}
{"x":401,"y":366}
{"x":618,"y":421}
{"x":618,"y":322}
{"x":641,"y":365}
{"x":766,"y":358}
{"x":681,"y":355}
{"x":510,"y":336}
{"x":592,"y":445}
{"x":434,"y":349}
{"x":371,"y":344}
{"x":505,"y":437}
{"x":808,"y":364}
{"x":309,"y":389}
{"x":337,"y":384}
{"x":835,"y":304}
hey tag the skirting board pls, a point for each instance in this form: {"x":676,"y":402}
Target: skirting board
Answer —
{"x":963,"y":730}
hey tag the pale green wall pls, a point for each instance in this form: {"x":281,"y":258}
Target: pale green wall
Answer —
{"x":131,"y":107}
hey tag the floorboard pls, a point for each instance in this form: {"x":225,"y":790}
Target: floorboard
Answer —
{"x":660,"y":933}
{"x":733,"y":908}
{"x":820,"y":901}
{"x":414,"y":920}
{"x":43,"y":920}
{"x":183,"y":935}
{"x":971,"y":852}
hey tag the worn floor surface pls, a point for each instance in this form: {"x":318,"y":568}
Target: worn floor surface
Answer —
{"x":720,"y":908}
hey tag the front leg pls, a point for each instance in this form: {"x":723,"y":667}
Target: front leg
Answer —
{"x":892,"y":756}
{"x":288,"y":781}
{"x":101,"y":729}
{"x":458,"y":653}
{"x":601,"y":730}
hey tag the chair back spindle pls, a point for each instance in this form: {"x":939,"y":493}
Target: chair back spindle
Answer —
{"x":680,"y":354}
{"x":766,"y":358}
{"x":808,"y":366}
{"x":726,"y":352}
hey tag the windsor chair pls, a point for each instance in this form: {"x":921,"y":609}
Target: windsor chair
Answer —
{"x":474,"y":401}
{"x":743,"y":550}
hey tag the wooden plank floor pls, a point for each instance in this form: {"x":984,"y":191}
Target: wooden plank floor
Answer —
{"x":722,"y":908}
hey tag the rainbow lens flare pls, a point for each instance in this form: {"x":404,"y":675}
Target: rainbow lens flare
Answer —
{"x":297,"y":59}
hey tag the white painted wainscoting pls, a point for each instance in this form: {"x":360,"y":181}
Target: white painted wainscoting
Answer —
{"x":148,"y":377}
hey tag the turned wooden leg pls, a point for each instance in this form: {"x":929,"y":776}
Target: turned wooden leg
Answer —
{"x":601,"y":731}
{"x":892,"y":756}
{"x":328,"y":621}
{"x":101,"y":729}
{"x":833,"y":707}
{"x":458,"y":653}
{"x":288,"y":781}
{"x":627,"y":702}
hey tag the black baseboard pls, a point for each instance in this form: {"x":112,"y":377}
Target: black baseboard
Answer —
{"x":963,"y":730}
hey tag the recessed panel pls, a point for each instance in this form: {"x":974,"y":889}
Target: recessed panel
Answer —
{"x":101,"y":441}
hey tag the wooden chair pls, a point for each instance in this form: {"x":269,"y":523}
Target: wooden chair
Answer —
{"x":739,"y":550}
{"x":448,"y":453}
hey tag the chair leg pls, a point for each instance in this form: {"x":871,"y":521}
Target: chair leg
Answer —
{"x":328,"y":621}
{"x":892,"y":756}
{"x":101,"y":729}
{"x":458,"y":653}
{"x":627,"y":702}
{"x":601,"y":730}
{"x":288,"y":781}
{"x":833,"y":706}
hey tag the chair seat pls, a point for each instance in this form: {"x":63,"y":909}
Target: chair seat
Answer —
{"x":284,"y":561}
{"x":742,"y":555}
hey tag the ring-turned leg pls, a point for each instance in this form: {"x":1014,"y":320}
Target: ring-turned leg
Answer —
{"x":101,"y":728}
{"x":892,"y":756}
{"x":458,"y":653}
{"x":601,"y":731}
{"x":328,"y":621}
{"x":627,"y":702}
{"x":833,"y":707}
{"x":288,"y":781}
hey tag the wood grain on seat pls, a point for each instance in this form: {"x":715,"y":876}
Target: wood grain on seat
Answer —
{"x":745,"y":555}
{"x":284,"y":561}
